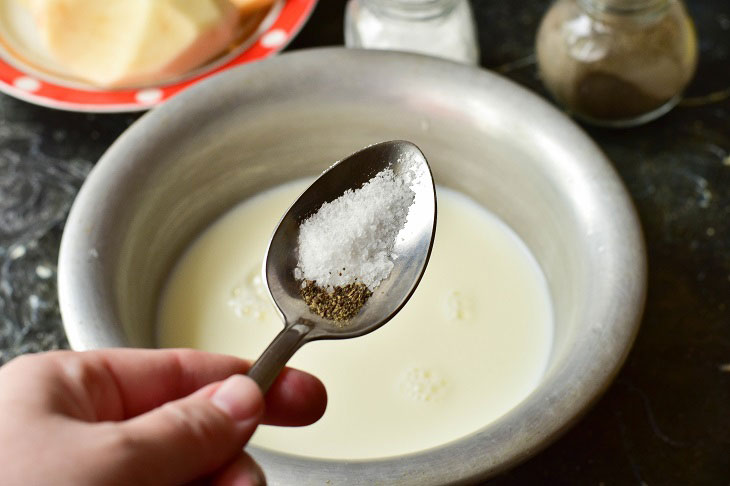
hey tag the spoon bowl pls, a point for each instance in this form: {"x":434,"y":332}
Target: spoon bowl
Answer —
{"x":412,"y":250}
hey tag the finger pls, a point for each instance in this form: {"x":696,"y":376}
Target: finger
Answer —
{"x":243,"y":471}
{"x":192,"y":436}
{"x":116,"y":384}
{"x":296,"y":398}
{"x":80,"y":385}
{"x":148,"y":378}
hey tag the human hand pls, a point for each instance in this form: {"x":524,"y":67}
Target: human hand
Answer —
{"x":133,"y":417}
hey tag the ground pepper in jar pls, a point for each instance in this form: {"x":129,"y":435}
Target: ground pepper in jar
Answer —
{"x":617,"y":62}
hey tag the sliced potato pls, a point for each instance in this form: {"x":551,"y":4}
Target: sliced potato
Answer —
{"x":247,"y":6}
{"x":114,"y":42}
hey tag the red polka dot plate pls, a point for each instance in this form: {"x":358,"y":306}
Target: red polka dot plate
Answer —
{"x":23,"y":81}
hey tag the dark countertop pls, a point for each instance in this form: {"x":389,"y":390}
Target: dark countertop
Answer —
{"x":665,"y":421}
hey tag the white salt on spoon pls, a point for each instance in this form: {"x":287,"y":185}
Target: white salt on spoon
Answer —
{"x":351,"y":239}
{"x":373,"y":214}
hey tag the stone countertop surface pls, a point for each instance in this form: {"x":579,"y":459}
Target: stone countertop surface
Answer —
{"x":665,"y":420}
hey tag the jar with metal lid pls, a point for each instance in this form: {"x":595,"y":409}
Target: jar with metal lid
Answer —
{"x":442,"y":28}
{"x":617,"y":62}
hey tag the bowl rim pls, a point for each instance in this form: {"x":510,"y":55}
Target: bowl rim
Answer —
{"x":567,"y":404}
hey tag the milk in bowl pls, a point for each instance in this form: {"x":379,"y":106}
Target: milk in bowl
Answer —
{"x":473,"y":341}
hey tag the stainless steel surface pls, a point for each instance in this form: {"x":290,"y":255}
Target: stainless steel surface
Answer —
{"x":187,"y":162}
{"x":413,"y":248}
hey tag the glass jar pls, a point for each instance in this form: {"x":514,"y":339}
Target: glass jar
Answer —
{"x":442,"y":28}
{"x":617,"y":62}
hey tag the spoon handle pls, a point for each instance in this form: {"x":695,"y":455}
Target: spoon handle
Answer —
{"x":265,"y":370}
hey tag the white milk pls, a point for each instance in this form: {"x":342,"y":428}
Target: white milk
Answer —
{"x":472,"y":342}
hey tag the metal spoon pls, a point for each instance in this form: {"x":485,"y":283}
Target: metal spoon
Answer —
{"x":412,"y":247}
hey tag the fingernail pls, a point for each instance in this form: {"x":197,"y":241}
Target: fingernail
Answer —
{"x":240,"y":398}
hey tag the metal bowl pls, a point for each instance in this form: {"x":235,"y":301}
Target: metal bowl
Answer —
{"x":187,"y":162}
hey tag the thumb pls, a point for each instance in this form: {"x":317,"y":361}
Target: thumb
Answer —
{"x":191,"y":437}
